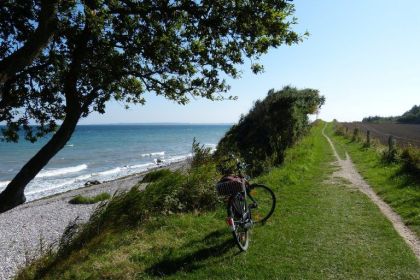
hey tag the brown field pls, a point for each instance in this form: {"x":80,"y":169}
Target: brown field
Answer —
{"x":405,"y":134}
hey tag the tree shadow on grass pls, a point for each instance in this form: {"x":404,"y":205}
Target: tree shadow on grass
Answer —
{"x":170,"y":265}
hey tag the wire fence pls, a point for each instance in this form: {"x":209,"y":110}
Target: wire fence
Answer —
{"x":404,"y":134}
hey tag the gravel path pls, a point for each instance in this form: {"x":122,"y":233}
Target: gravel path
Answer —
{"x":349,"y":172}
{"x":30,"y":228}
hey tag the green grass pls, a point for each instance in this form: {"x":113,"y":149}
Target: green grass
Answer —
{"x":155,"y":175}
{"x":339,"y":147}
{"x":389,"y":180}
{"x":79,"y":199}
{"x":319,"y":230}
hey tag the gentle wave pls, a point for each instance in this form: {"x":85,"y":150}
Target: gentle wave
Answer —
{"x":61,"y":171}
{"x":144,"y":165}
{"x":153,"y":154}
{"x":46,"y":184}
{"x":180,"y":158}
{"x":108,"y":172}
{"x":52,"y":187}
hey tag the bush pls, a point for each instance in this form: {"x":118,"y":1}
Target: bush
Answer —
{"x":262,"y":136}
{"x":201,"y":154}
{"x":155,"y":175}
{"x":410,"y":157}
{"x":79,"y":199}
{"x":340,"y":130}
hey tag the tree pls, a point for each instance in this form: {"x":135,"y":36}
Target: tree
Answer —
{"x":61,"y":60}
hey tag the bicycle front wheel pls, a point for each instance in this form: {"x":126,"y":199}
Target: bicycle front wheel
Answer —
{"x":262,"y":202}
{"x":239,"y":212}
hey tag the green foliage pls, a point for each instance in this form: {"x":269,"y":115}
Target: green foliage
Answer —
{"x":411,"y":116}
{"x":176,"y":49}
{"x":378,"y":119}
{"x":155,"y":175}
{"x":201,"y":154}
{"x":262,"y":136}
{"x":79,"y":199}
{"x":339,"y":130}
{"x":410,"y":157}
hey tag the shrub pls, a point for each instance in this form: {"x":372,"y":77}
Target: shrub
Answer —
{"x":79,"y":199}
{"x":410,"y":157}
{"x":262,"y":136}
{"x":340,"y":130}
{"x":201,"y":154}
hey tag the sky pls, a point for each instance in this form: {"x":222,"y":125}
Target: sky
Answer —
{"x":362,"y":55}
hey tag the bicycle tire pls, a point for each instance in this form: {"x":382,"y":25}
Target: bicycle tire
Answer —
{"x":237,"y":207}
{"x":265,"y":201}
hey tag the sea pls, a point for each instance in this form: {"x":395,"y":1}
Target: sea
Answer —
{"x":105,"y":152}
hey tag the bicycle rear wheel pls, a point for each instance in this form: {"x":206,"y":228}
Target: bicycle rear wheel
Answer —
{"x":239,"y":212}
{"x":262,"y":202}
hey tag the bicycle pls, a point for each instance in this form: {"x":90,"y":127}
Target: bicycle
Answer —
{"x":247,"y":204}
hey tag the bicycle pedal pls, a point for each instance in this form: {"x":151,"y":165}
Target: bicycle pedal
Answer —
{"x":248,"y":225}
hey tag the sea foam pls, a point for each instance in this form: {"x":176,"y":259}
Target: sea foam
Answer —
{"x":153,"y":154}
{"x":61,"y":171}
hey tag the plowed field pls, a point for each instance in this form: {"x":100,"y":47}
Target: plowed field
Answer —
{"x":405,"y":134}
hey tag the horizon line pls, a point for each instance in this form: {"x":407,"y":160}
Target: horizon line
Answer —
{"x":156,"y":123}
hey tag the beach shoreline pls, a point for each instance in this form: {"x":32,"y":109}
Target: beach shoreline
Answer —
{"x":40,"y":223}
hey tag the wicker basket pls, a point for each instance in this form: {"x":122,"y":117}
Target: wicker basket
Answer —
{"x":227,"y":188}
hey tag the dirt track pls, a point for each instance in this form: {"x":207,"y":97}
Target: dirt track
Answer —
{"x":348,"y":172}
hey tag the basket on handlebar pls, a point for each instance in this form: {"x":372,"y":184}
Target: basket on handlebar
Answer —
{"x":229,"y":187}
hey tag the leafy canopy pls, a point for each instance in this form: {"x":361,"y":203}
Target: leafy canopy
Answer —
{"x":123,"y":50}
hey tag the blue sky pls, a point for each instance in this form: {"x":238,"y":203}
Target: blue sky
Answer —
{"x":363,"y":56}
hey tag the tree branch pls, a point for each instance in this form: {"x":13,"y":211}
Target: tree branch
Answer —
{"x":24,"y":56}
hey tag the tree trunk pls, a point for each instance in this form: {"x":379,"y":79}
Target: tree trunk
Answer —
{"x":14,"y":195}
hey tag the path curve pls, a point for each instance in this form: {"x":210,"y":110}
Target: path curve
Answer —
{"x":349,"y":172}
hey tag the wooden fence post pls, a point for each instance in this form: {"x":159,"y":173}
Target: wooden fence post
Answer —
{"x":368,"y":138}
{"x":355,"y":134}
{"x":392,"y":148}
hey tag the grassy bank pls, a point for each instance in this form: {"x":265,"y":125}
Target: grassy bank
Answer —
{"x":319,"y":230}
{"x":396,"y":186}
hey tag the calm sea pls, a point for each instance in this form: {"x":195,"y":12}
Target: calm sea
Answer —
{"x":105,"y":152}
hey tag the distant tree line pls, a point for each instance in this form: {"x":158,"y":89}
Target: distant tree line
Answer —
{"x":262,"y":136}
{"x":411,"y":116}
